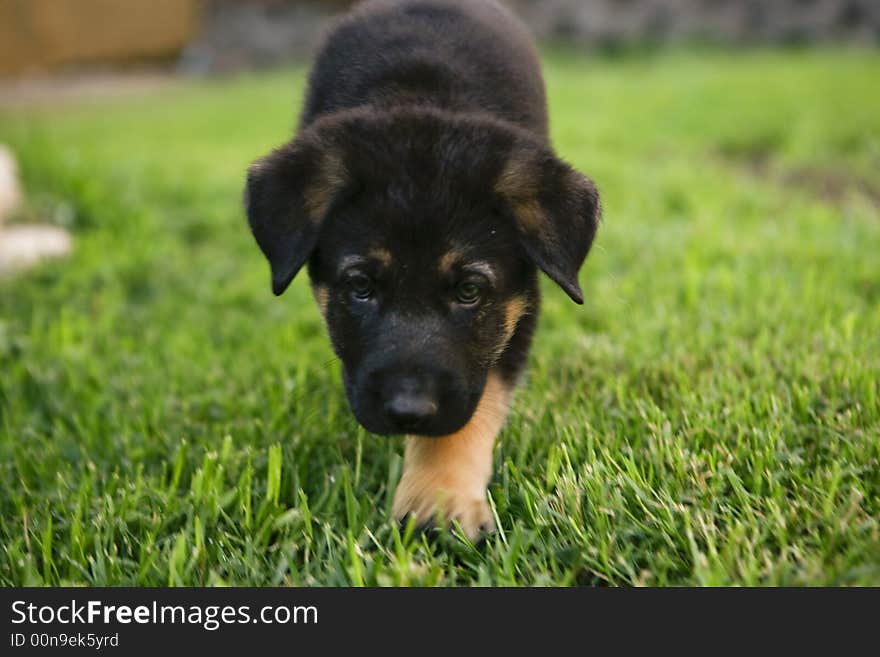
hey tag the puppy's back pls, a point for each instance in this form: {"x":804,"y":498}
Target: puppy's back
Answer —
{"x":458,"y":55}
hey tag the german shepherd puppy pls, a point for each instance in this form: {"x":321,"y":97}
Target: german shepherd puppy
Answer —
{"x":423,"y":194}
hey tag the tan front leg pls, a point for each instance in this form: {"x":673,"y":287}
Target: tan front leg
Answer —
{"x":447,"y":476}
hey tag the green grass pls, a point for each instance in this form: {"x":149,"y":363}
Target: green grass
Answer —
{"x":710,"y":416}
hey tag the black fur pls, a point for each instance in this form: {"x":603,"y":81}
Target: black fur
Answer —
{"x":424,"y":133}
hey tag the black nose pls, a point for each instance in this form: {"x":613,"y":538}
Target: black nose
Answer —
{"x":410,"y":409}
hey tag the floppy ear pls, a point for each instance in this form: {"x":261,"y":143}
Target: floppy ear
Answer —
{"x":556,"y":210}
{"x":287,"y":196}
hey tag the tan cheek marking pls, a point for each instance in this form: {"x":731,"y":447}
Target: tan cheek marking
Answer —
{"x":322,"y":297}
{"x":321,"y":190}
{"x":513,"y":312}
{"x":448,"y":476}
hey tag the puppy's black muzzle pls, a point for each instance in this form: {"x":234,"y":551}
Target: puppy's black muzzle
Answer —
{"x":411,"y":398}
{"x":410,"y":402}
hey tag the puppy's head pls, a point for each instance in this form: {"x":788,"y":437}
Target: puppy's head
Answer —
{"x":422,"y":232}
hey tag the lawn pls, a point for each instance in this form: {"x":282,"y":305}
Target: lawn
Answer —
{"x":711,"y":416}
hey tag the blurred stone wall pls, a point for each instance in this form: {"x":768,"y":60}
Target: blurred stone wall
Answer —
{"x":240,"y":34}
{"x":228,"y":35}
{"x":729,"y":21}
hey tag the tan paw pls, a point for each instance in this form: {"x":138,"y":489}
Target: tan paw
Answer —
{"x":433,"y":506}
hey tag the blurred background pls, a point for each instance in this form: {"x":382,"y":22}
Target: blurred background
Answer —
{"x":60,"y":50}
{"x":218,"y":36}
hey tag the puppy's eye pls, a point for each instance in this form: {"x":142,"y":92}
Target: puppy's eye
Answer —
{"x":468,"y":293}
{"x":360,"y":286}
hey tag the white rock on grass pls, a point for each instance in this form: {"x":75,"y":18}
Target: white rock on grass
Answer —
{"x":10,"y":191}
{"x":23,"y":245}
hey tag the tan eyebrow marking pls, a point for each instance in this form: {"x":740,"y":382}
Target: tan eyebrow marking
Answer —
{"x":449,"y":260}
{"x":383,"y":256}
{"x":455,"y":257}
